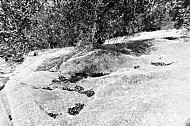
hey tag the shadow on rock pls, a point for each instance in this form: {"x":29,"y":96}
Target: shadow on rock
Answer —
{"x":135,"y":47}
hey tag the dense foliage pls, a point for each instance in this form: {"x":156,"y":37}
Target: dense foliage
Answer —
{"x":27,"y":25}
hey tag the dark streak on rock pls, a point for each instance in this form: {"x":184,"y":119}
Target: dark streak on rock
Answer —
{"x":76,"y":109}
{"x":47,"y":88}
{"x":97,"y":74}
{"x":160,"y":63}
{"x":170,"y":38}
{"x":1,"y":87}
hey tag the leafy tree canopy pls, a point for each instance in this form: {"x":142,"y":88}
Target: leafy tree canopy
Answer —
{"x":27,"y":25}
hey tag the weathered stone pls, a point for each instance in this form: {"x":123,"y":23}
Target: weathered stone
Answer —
{"x":108,"y":88}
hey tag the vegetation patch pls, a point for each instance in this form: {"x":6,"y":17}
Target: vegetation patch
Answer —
{"x":161,"y":63}
{"x":76,"y":109}
{"x":136,"y":67}
{"x":28,"y":25}
{"x":10,"y":118}
{"x":53,"y":115}
{"x":171,"y":38}
{"x":75,"y":77}
{"x":63,"y":83}
{"x":47,"y":88}
{"x":88,"y":93}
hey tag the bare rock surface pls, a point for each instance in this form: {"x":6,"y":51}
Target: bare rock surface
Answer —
{"x":101,"y":88}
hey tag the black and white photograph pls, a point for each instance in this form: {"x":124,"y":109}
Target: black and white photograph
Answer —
{"x":94,"y":62}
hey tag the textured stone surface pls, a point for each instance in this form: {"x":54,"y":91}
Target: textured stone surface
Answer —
{"x":156,"y":93}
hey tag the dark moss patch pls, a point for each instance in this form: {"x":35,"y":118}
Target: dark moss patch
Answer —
{"x":81,"y":90}
{"x":63,"y":83}
{"x":97,"y":74}
{"x":47,"y":88}
{"x":67,"y":88}
{"x":77,"y":77}
{"x":53,"y":115}
{"x":136,"y":67}
{"x":161,"y":63}
{"x":10,"y":117}
{"x":62,"y":78}
{"x":55,"y":80}
{"x":35,"y":54}
{"x":88,"y":93}
{"x":78,"y":88}
{"x":76,"y":109}
{"x":19,"y":60}
{"x":171,"y":38}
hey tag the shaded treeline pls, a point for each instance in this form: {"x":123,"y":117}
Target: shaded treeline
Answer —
{"x":27,"y":25}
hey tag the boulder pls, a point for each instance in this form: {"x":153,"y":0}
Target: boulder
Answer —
{"x":101,"y":87}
